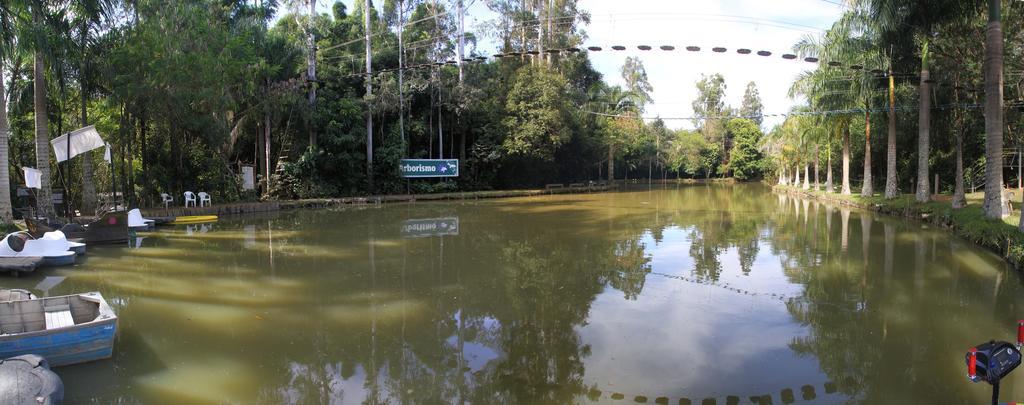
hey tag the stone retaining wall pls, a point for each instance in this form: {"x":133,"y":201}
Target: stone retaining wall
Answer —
{"x":267,"y":206}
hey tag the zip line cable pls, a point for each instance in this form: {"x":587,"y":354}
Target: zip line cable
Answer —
{"x":569,"y":19}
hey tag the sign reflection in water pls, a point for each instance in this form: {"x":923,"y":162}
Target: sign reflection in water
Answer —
{"x":418,"y":228}
{"x":694,"y":292}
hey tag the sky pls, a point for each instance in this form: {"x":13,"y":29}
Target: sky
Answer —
{"x":771,"y":25}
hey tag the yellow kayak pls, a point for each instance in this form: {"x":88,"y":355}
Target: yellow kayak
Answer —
{"x":193,"y":219}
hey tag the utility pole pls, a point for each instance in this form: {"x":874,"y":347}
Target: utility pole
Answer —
{"x":311,"y":68}
{"x":401,"y":71}
{"x":369,"y":94}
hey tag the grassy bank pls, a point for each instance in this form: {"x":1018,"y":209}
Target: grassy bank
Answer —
{"x":969,"y":222}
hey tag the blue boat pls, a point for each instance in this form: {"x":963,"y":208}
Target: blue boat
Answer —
{"x":65,"y":330}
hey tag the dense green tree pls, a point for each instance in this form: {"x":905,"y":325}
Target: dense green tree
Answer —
{"x":747,"y":161}
{"x":538,"y":114}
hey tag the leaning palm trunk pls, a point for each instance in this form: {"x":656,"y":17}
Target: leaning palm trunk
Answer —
{"x":994,"y":203}
{"x":43,"y":201}
{"x":846,"y":159}
{"x":924,"y":129}
{"x":6,"y":215}
{"x":890,"y":156}
{"x":868,"y":189}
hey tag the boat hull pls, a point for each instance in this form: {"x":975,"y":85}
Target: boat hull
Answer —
{"x":62,"y":260}
{"x":110,"y":228}
{"x":64,"y":346}
{"x":20,"y":264}
{"x":79,"y":250}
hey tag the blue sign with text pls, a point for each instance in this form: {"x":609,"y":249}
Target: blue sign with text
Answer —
{"x":411,"y":168}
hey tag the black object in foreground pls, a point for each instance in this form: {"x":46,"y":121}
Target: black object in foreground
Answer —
{"x":991,"y":362}
{"x":28,"y":380}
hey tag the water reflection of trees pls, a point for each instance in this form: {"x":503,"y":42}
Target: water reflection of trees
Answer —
{"x":496,"y":317}
{"x":526,"y":305}
{"x":886,"y":307}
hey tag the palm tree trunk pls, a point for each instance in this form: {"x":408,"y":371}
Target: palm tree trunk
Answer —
{"x":923,"y":131}
{"x":828,"y":170}
{"x":993,"y":205}
{"x":846,"y":158}
{"x":6,"y":211}
{"x":817,"y":152}
{"x":868,"y":189}
{"x":88,"y":187}
{"x":796,"y":176}
{"x":807,"y":177}
{"x":890,"y":158}
{"x":44,"y":203}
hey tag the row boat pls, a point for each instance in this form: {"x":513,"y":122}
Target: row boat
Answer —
{"x":65,"y":330}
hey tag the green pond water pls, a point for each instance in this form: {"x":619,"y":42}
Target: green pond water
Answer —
{"x":709,"y":294}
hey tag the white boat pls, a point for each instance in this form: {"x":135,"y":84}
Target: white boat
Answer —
{"x":53,"y":247}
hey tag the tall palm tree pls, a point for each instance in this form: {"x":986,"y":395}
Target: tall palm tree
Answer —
{"x":900,"y":22}
{"x":87,"y":14}
{"x":994,"y":203}
{"x":831,"y":89}
{"x":38,"y":43}
{"x":891,"y":189}
{"x":7,"y":43}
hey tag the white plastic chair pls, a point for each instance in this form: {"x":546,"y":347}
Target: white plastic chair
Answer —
{"x":166,"y":199}
{"x":190,"y":197}
{"x":204,"y":198}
